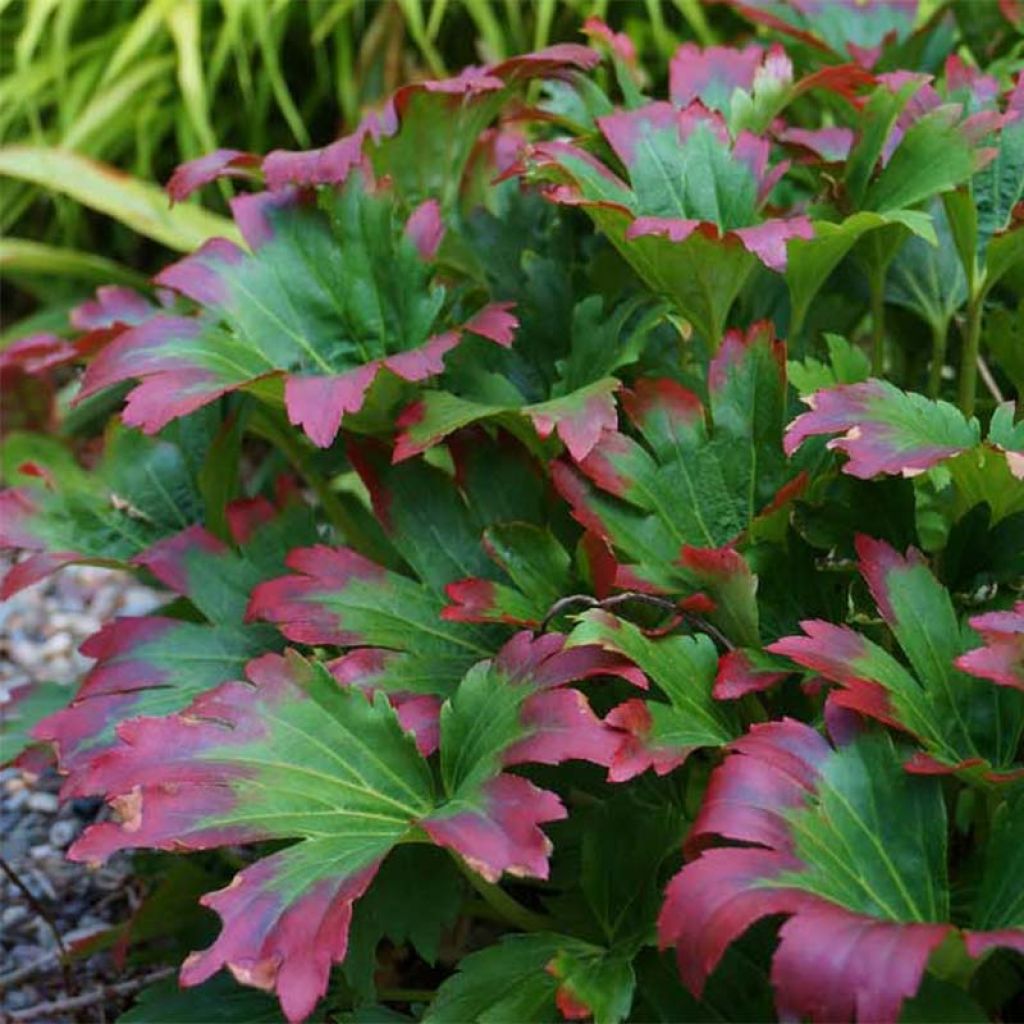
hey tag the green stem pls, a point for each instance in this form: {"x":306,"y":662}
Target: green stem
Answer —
{"x":939,"y":333}
{"x":876,"y":283}
{"x":969,"y":360}
{"x":509,"y":910}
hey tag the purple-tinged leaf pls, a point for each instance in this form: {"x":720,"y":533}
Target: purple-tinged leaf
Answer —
{"x":27,"y":391}
{"x":712,"y":74}
{"x":884,"y":429}
{"x":689,"y":221}
{"x":288,"y":755}
{"x":676,"y":494}
{"x":492,"y":818}
{"x":538,"y":566}
{"x":660,"y":734}
{"x":1001,"y":659}
{"x":618,"y":43}
{"x":746,"y":671}
{"x":858,"y":29}
{"x":221,"y":163}
{"x":576,"y":400}
{"x":139,"y":491}
{"x":155,"y":665}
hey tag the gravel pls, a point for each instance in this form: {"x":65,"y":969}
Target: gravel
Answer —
{"x":41,"y":892}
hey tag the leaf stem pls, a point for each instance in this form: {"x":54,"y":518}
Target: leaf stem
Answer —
{"x":876,"y":284}
{"x":939,"y":333}
{"x":969,"y":360}
{"x":508,"y":909}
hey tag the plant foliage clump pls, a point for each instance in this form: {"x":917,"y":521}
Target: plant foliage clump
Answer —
{"x":593,"y":529}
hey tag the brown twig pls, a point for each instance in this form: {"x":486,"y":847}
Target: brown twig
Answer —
{"x":45,"y":1011}
{"x":21,"y":973}
{"x":43,"y":913}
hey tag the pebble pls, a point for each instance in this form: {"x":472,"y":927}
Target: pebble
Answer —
{"x":17,"y":800}
{"x":46,"y":803}
{"x":63,"y":833}
{"x":41,"y":630}
{"x":12,"y":916}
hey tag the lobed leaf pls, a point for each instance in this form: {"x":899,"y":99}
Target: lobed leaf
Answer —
{"x":805,"y":813}
{"x":960,"y":720}
{"x":885,"y":430}
{"x":674,"y":504}
{"x":294,"y":307}
{"x":660,"y":734}
{"x":290,"y":755}
{"x":155,"y":665}
{"x":141,"y":490}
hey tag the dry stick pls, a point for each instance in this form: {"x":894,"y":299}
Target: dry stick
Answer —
{"x":65,"y":958}
{"x":98,"y":995}
{"x":13,"y":977}
{"x":990,"y":381}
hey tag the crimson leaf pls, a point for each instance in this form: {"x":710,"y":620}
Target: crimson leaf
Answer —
{"x":290,"y":755}
{"x":848,"y":845}
{"x":962,"y":721}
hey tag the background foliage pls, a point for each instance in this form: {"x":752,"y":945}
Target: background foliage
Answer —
{"x":592,"y":482}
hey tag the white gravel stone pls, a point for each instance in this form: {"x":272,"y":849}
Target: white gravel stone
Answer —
{"x":45,"y":803}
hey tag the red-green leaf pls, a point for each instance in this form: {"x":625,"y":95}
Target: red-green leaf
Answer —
{"x":290,"y":755}
{"x":673,"y":503}
{"x":289,"y":308}
{"x":1001,"y":659}
{"x":841,"y":28}
{"x":661,"y":734}
{"x":857,"y":941}
{"x":885,"y":430}
{"x":140,"y":491}
{"x":960,"y":720}
{"x":154,"y":665}
{"x":689,"y":220}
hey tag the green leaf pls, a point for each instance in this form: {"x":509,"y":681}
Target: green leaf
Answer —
{"x":141,"y":206}
{"x":941,"y":1000}
{"x":521,"y":977}
{"x":611,"y":862}
{"x":847,"y":365}
{"x":934,"y":155}
{"x":811,"y":261}
{"x":683,"y":668}
{"x":928,"y":279}
{"x":999,"y":902}
{"x":1004,"y":335}
{"x":398,"y":906}
{"x":221,"y":1000}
